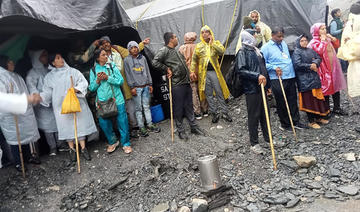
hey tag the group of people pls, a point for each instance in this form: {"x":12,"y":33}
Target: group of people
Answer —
{"x":313,"y":69}
{"x":119,"y":80}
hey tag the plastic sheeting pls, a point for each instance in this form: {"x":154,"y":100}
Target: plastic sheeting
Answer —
{"x":181,"y":16}
{"x":54,"y":17}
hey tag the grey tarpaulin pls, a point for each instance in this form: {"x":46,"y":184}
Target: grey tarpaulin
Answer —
{"x":180,"y":16}
{"x":54,"y":17}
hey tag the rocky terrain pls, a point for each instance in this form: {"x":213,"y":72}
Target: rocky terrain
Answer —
{"x":164,"y":176}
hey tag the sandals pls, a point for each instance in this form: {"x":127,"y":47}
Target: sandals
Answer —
{"x":314,"y":125}
{"x":127,"y":149}
{"x":322,"y":121}
{"x":112,"y":148}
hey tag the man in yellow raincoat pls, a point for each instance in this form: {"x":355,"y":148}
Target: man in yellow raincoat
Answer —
{"x":350,"y":51}
{"x":206,"y":61}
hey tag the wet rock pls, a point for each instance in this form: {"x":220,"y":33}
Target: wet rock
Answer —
{"x":304,"y":161}
{"x":199,"y":205}
{"x":289,"y":164}
{"x":82,"y":207}
{"x":330,"y":195}
{"x":313,"y":185}
{"x":318,"y":178}
{"x":252,"y":208}
{"x":332,"y":172}
{"x":173,"y":206}
{"x":350,"y":156}
{"x":184,"y":209}
{"x":277,"y":199}
{"x":292,"y":203}
{"x":163,"y":207}
{"x":54,"y":188}
{"x":348,"y":189}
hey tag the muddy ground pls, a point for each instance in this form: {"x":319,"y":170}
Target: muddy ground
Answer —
{"x":159,"y":171}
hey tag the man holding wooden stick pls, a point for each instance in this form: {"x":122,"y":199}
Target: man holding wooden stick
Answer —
{"x":251,"y":68}
{"x":171,"y":62}
{"x":279,"y":65}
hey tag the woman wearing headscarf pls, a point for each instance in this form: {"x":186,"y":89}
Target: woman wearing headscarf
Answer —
{"x":331,"y":76}
{"x":106,"y":81}
{"x":44,"y":115}
{"x":250,"y":65}
{"x":56,"y":85}
{"x":311,"y":99}
{"x":11,"y":82}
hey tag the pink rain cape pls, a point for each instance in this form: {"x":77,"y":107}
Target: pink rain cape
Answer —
{"x":332,"y":78}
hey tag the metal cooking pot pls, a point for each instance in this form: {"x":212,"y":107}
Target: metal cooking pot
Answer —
{"x":209,"y":172}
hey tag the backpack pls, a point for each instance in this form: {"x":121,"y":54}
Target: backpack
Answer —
{"x":233,"y":81}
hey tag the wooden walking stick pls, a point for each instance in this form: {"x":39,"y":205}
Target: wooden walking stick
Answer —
{"x":171,"y":112}
{"x":71,"y":104}
{"x":18,"y":139}
{"x":268,"y":126}
{"x":287,"y":107}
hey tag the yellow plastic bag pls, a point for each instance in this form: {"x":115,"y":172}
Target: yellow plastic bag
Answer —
{"x":71,"y":103}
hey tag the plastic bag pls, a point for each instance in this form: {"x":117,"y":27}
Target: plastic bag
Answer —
{"x":71,"y":103}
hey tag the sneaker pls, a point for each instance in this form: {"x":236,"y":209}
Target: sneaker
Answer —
{"x":134,"y":134}
{"x":154,"y":128}
{"x":34,"y":159}
{"x":206,"y":114}
{"x":53,"y":152}
{"x":85,"y":154}
{"x":216,"y":117}
{"x":144,"y":132}
{"x":112,"y":148}
{"x":340,"y":112}
{"x":300,"y":126}
{"x":257,"y":149}
{"x":197,"y":131}
{"x":198,"y":116}
{"x":285,"y":128}
{"x":226,"y":117}
{"x":314,"y":125}
{"x":183,"y":136}
{"x":72,"y":154}
{"x":19,"y":169}
{"x":63,"y":147}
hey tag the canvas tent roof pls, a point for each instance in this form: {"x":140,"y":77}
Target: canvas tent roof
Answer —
{"x":181,"y":16}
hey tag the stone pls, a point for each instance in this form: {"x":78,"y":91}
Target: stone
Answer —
{"x":318,"y":178}
{"x":199,"y":205}
{"x":314,"y":185}
{"x":219,"y":127}
{"x":332,"y":172}
{"x":305,"y":161}
{"x":330,"y":195}
{"x":350,"y":156}
{"x":163,"y":207}
{"x":289,"y":164}
{"x":184,"y":209}
{"x":348,"y":189}
{"x":83,"y":206}
{"x":173,"y":206}
{"x":277,"y":199}
{"x":292,"y":203}
{"x":54,"y":188}
{"x":252,"y":208}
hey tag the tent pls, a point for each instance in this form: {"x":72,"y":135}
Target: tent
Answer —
{"x":180,"y":16}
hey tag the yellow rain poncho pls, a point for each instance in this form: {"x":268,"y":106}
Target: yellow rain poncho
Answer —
{"x":350,"y":51}
{"x":204,"y":53}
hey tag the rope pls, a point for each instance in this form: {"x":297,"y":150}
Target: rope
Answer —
{"x":227,"y":39}
{"x":143,"y":13}
{"x":202,"y":12}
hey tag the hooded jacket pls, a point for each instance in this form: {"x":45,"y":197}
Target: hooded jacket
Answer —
{"x":203,"y":55}
{"x":265,"y":33}
{"x":11,"y":82}
{"x":302,"y":59}
{"x":350,"y":51}
{"x":35,"y":80}
{"x":250,"y":65}
{"x":332,"y":77}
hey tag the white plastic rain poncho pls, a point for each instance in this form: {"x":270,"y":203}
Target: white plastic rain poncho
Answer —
{"x":35,"y":81}
{"x":56,"y":85}
{"x":350,"y":51}
{"x":27,"y":122}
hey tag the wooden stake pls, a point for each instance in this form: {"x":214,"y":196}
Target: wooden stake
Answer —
{"x":18,"y":139}
{"x":76,"y":138}
{"x":288,"y":109}
{"x":268,"y":126}
{"x":171,"y":112}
